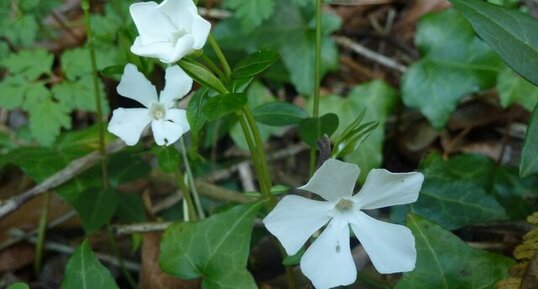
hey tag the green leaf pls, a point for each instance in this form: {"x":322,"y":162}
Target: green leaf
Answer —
{"x":80,"y":94}
{"x":131,"y":208}
{"x":353,"y":136}
{"x":255,"y":63}
{"x":168,"y":158}
{"x":202,"y":75}
{"x":216,"y":248}
{"x":251,"y":13}
{"x":221,"y":105}
{"x":290,"y":31}
{"x":21,"y":30}
{"x":514,"y":89}
{"x":18,"y":285}
{"x":13,"y":91}
{"x":84,"y":271}
{"x":29,"y":64}
{"x":47,"y":117}
{"x":312,"y":129}
{"x":517,"y":195}
{"x":446,"y":262}
{"x":456,"y":204}
{"x":127,"y":166}
{"x":279,"y":113}
{"x":195,"y":116}
{"x":95,"y":207}
{"x":455,"y":63}
{"x":512,"y":34}
{"x":529,"y":154}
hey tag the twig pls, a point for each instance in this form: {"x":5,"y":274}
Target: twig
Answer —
{"x":72,"y":170}
{"x":245,"y":175}
{"x":370,"y":54}
{"x":139,"y":228}
{"x":214,"y":13}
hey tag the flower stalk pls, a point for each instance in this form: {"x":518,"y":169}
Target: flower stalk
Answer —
{"x":317,"y":79}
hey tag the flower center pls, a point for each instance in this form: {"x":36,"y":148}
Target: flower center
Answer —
{"x":157,"y":111}
{"x":344,"y":205}
{"x":177,"y":34}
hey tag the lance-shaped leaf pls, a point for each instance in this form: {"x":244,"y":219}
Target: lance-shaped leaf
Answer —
{"x":216,"y":248}
{"x":255,"y":63}
{"x":84,"y":271}
{"x":529,"y":155}
{"x":512,"y":34}
{"x":278,"y":113}
{"x":221,"y":105}
{"x":202,"y":75}
{"x":446,"y":262}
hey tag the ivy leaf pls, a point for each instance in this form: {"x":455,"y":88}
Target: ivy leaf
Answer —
{"x":29,"y":63}
{"x":515,"y":89}
{"x":131,"y":208}
{"x":251,"y":13}
{"x":529,"y":155}
{"x":456,"y":204}
{"x":512,"y":34}
{"x":445,"y":261}
{"x":84,"y":271}
{"x":455,"y":63}
{"x":216,"y":248}
{"x":95,"y":207}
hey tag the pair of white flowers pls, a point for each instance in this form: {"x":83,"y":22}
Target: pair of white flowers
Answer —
{"x":168,"y":31}
{"x":173,"y":29}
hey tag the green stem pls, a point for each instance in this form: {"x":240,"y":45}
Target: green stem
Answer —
{"x":253,"y":152}
{"x":186,"y":195}
{"x":190,"y":178}
{"x":116,"y":251}
{"x":317,"y":80}
{"x":220,"y":55}
{"x":41,"y":231}
{"x":99,"y":109}
{"x":213,"y":66}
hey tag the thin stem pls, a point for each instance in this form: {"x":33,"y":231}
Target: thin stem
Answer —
{"x":186,"y":195}
{"x":317,"y":80}
{"x":220,"y":55}
{"x":253,"y":152}
{"x":116,"y":251}
{"x":213,"y":66}
{"x":264,"y":170}
{"x":99,"y":109}
{"x":41,"y":231}
{"x":190,"y":178}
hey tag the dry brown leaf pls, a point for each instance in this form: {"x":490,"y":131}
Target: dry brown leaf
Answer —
{"x":530,"y":279}
{"x":16,"y":257}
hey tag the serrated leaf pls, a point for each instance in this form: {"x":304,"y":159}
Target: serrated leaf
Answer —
{"x":18,"y":285}
{"x":29,"y":64}
{"x":95,"y":207}
{"x":221,"y":105}
{"x":80,"y":94}
{"x":513,"y":88}
{"x":216,"y":248}
{"x":312,"y":129}
{"x":444,"y":261}
{"x":12,"y":92}
{"x":455,"y":63}
{"x":529,"y":154}
{"x":279,"y":113}
{"x":47,"y":118}
{"x":456,"y":204}
{"x":512,"y":34}
{"x":251,"y":13}
{"x":168,"y":158}
{"x":84,"y":271}
{"x":255,"y":63}
{"x":21,"y":30}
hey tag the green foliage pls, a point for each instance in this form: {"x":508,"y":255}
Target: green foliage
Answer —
{"x":221,"y":105}
{"x":279,"y":113}
{"x":515,"y":89}
{"x":353,"y":136}
{"x":84,"y":271}
{"x":18,"y":285}
{"x":202,"y":75}
{"x":131,"y":208}
{"x":291,"y":32}
{"x":255,"y":63}
{"x":30,"y":64}
{"x":455,"y":63}
{"x":168,"y":158}
{"x":529,"y":154}
{"x":313,"y":128}
{"x":95,"y":207}
{"x":512,"y":34}
{"x":379,"y":100}
{"x":216,"y":249}
{"x":251,"y":13}
{"x":195,"y":116}
{"x":444,"y":261}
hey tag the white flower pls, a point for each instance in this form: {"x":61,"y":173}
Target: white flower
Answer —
{"x":169,"y":30}
{"x":328,"y":262}
{"x":167,"y":123}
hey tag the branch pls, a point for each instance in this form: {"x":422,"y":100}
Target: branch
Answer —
{"x":72,"y":170}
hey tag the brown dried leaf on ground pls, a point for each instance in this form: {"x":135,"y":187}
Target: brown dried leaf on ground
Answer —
{"x":151,"y":276}
{"x":16,"y":257}
{"x":530,"y":279}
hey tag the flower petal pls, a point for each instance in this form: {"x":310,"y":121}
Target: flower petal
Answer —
{"x":129,"y":123}
{"x":383,"y":189}
{"x":180,"y":12}
{"x":295,"y":219}
{"x":178,"y":116}
{"x":391,"y":247}
{"x":177,"y":85}
{"x":166,"y":132}
{"x":151,"y":23}
{"x":328,"y":261}
{"x":200,"y":31}
{"x":134,"y":85}
{"x":333,"y":180}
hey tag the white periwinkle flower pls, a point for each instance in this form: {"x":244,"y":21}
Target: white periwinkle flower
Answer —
{"x":169,"y":30}
{"x":167,"y":123}
{"x":328,"y":262}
